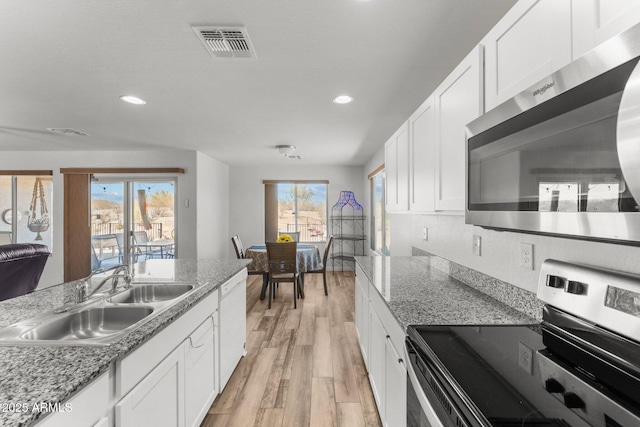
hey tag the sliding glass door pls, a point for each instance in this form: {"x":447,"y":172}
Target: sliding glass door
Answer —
{"x":132,"y":220}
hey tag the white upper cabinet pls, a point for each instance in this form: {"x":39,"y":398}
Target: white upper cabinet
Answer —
{"x":529,"y":43}
{"x":596,"y":21}
{"x":458,"y":100}
{"x":422,"y":151}
{"x":396,"y":164}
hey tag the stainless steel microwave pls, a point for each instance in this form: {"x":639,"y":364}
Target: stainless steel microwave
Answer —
{"x":563,"y":157}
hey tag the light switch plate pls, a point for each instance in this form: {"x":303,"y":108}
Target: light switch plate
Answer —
{"x":425,"y":234}
{"x":476,"y":245}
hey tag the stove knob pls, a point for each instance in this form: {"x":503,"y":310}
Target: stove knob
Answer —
{"x":555,"y":281}
{"x":553,"y":386}
{"x":571,"y":400}
{"x":576,"y":288}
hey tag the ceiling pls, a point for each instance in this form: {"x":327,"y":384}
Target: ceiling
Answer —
{"x":65,"y":63}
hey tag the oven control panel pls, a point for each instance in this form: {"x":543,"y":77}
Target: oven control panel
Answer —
{"x":607,"y":298}
{"x":584,"y":396}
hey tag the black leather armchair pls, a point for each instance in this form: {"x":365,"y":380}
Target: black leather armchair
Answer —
{"x":21,"y":265}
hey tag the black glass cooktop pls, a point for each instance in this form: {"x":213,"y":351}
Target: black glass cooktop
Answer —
{"x":498,"y":368}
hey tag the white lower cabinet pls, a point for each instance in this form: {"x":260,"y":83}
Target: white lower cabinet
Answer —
{"x":395,"y":387}
{"x":362,"y":313}
{"x":87,"y":408}
{"x":159,"y":398}
{"x":201,"y":386}
{"x":381,"y":339}
{"x":233,"y":327}
{"x":377,"y":342}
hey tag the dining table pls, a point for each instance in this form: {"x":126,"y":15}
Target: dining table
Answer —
{"x":164,"y":246}
{"x":308,"y":258}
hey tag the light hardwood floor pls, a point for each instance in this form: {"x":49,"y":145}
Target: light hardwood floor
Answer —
{"x":303,"y":366}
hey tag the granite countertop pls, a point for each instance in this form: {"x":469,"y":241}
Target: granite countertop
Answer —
{"x":43,"y":374}
{"x":417,"y":293}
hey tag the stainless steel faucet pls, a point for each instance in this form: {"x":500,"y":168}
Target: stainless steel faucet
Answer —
{"x":119,"y":272}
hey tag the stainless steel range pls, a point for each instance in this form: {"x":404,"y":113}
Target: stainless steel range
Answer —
{"x":579,"y":367}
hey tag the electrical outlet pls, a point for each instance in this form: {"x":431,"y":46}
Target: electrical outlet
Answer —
{"x":425,"y":234}
{"x":526,"y":256}
{"x":476,"y":245}
{"x":525,"y":358}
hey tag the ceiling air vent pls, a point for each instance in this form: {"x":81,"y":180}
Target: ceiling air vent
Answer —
{"x":68,"y":131}
{"x":226,"y":42}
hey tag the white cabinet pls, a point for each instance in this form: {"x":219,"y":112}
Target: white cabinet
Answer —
{"x":88,"y":407}
{"x":201,"y":387}
{"x":159,"y":398}
{"x":395,"y":387}
{"x":458,"y":100}
{"x":396,"y":163}
{"x":530,"y":42}
{"x":596,"y":21}
{"x":377,"y":341}
{"x":362,"y":313}
{"x":422,"y":150}
{"x":383,"y":340}
{"x":233,"y":327}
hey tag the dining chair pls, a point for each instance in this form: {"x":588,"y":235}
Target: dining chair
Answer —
{"x":283,"y":267}
{"x":295,"y":235}
{"x":142,"y":237}
{"x":237,"y":245}
{"x":325,"y":261}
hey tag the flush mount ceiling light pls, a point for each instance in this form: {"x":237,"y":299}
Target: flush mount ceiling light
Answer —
{"x":342,"y":99}
{"x":133,"y":100}
{"x":285,"y":150}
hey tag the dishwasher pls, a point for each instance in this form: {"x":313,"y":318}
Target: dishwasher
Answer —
{"x":233,"y":324}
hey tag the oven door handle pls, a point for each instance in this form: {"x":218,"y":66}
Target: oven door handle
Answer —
{"x":427,"y":408}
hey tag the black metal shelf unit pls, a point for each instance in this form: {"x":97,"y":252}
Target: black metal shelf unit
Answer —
{"x":347,"y":225}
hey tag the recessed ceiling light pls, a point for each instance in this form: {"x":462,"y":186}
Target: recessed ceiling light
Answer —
{"x":133,"y":99}
{"x":342,"y":99}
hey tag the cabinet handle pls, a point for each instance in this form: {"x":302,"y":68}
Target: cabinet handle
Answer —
{"x":388,"y":337}
{"x":206,"y":341}
{"x":400,"y":360}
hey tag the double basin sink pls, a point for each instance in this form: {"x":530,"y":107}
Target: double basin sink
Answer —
{"x":101,"y":321}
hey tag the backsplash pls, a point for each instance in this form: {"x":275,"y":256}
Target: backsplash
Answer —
{"x":520,"y":299}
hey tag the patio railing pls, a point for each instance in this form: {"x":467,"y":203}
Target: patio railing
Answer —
{"x":98,"y":229}
{"x":310,"y":232}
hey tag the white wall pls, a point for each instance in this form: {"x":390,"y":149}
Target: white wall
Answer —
{"x":246,"y":196}
{"x":213,"y":207}
{"x":54,"y":160}
{"x":451,"y":238}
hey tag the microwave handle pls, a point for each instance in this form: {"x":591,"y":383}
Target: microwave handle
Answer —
{"x":428,"y":410}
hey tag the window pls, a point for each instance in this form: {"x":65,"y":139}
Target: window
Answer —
{"x":299,"y":206}
{"x":143,"y":209}
{"x":379,"y":219}
{"x":25,"y":209}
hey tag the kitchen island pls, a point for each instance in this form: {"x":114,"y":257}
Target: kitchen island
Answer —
{"x":38,"y":380}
